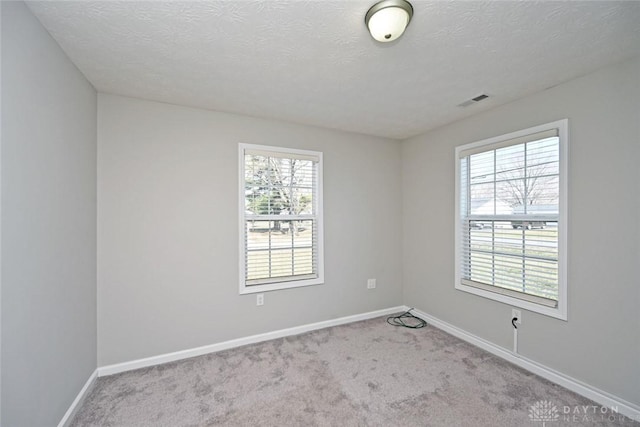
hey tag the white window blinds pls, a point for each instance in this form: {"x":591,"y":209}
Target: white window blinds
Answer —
{"x":281,"y":233}
{"x":509,"y":214}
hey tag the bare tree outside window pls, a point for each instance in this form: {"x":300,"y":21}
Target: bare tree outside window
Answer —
{"x":528,"y":176}
{"x":279,"y":186}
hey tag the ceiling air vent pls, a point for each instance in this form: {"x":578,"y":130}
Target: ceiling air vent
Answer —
{"x":473,"y":100}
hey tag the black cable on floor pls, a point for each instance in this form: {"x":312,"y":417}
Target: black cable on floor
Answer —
{"x":407,"y":320}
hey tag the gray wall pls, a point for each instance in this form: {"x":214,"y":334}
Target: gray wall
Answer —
{"x":600,"y":343}
{"x":168,"y":228}
{"x":48,"y":224}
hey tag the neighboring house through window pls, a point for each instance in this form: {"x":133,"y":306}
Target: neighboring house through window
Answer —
{"x":281,"y":237}
{"x":511,"y":211}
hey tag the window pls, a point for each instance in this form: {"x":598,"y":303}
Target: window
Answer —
{"x":511,"y":210}
{"x":280,"y":218}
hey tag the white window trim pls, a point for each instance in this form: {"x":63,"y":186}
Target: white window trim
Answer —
{"x":252,"y":289}
{"x":559,"y":312}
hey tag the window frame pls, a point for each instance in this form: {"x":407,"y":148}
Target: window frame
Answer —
{"x":560,"y":311}
{"x":273,"y":283}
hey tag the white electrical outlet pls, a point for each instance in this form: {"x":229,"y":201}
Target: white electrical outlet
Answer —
{"x":518,"y":314}
{"x":260,"y":299}
{"x":371,"y":284}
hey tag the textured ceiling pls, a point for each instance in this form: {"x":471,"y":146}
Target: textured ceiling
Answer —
{"x":313,"y":62}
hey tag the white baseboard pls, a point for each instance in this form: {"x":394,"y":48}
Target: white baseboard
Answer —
{"x":198,"y":351}
{"x":68,"y":416}
{"x":623,"y":407}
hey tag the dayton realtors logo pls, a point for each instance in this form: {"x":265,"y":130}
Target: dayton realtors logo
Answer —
{"x":543,"y":411}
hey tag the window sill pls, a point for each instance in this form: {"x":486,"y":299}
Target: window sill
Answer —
{"x":254,"y":289}
{"x":559,"y":312}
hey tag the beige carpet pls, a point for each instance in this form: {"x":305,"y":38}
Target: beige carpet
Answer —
{"x":362,"y":374}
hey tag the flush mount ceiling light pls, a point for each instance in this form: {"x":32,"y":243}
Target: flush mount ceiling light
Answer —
{"x":388,"y":19}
